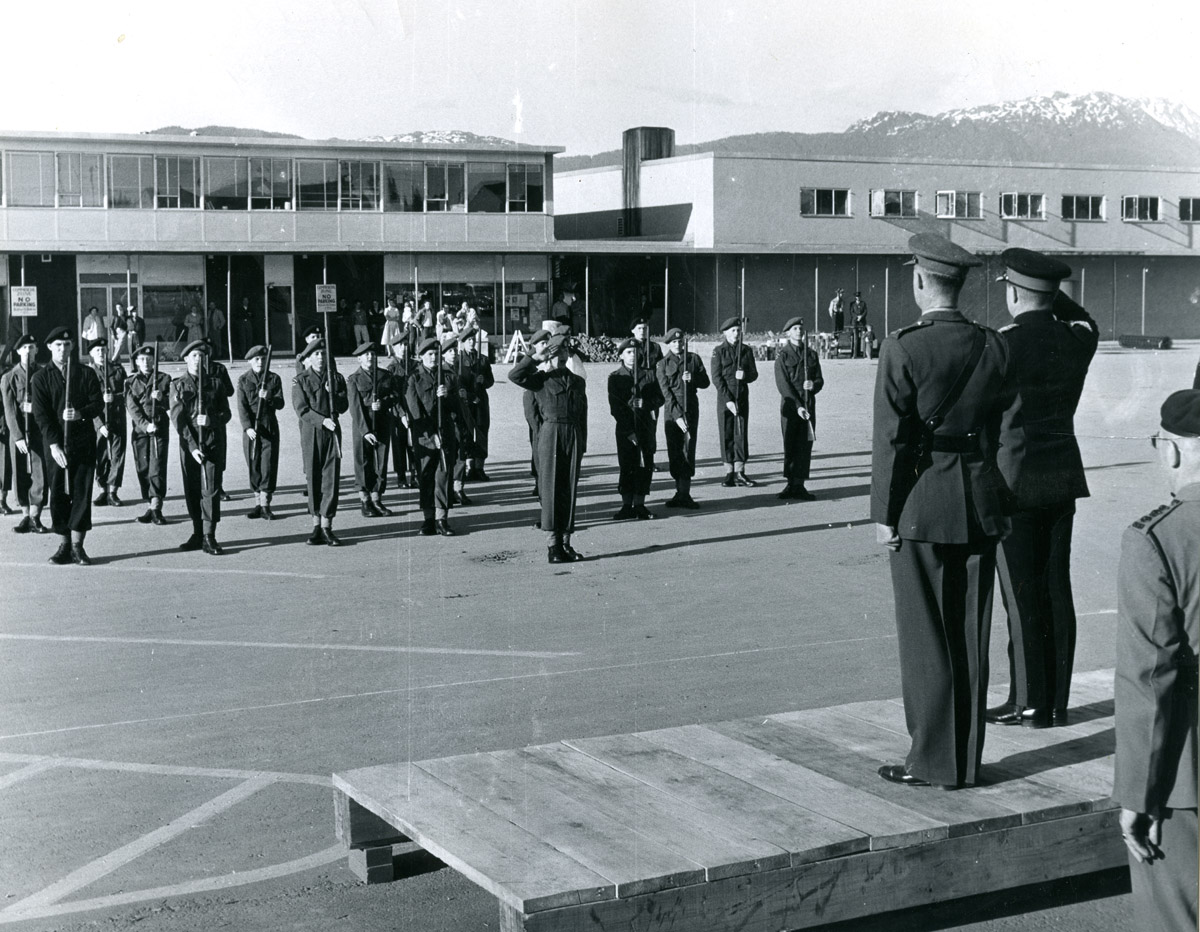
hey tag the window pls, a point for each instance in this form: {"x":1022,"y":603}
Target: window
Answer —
{"x":131,"y":181}
{"x":270,"y":184}
{"x":525,"y":189}
{"x":226,"y":184}
{"x":178,"y":182}
{"x":317,"y":184}
{"x":80,"y":180}
{"x":1082,"y":207}
{"x":31,"y":179}
{"x":1140,"y":209}
{"x":404,"y":186}
{"x":960,"y":205}
{"x":445,"y":187}
{"x":1189,"y":209}
{"x":360,"y":185}
{"x":824,"y":202}
{"x":1015,"y":206}
{"x":893,"y":203}
{"x":487,"y":188}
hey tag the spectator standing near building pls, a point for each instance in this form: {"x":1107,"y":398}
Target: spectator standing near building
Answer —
{"x":93,"y":326}
{"x":243,"y":327}
{"x":359,"y":318}
{"x":392,"y":327}
{"x":837,"y":317}
{"x":858,"y":320}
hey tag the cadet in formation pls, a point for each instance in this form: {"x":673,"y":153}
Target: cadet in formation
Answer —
{"x":219,"y":374}
{"x":464,"y":428}
{"x":67,"y":397}
{"x":26,"y":454}
{"x":733,"y":369}
{"x":318,"y":407}
{"x":148,"y":400}
{"x":537,"y":344}
{"x":798,"y":378}
{"x":432,"y":402}
{"x":371,"y":392}
{"x":633,"y":400}
{"x":475,"y":379}
{"x":110,"y":424}
{"x":259,"y":397}
{"x":560,"y":397}
{"x":400,"y":366}
{"x":200,"y":411}
{"x":680,"y":376}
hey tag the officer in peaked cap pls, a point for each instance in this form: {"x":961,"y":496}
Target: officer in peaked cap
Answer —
{"x":1051,"y":343}
{"x":942,"y":388}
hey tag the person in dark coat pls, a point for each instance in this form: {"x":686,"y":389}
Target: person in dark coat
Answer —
{"x":537,"y":344}
{"x":432,"y":402}
{"x":733,"y":369}
{"x":372,"y":392}
{"x":560,"y":397}
{"x":320,"y":438}
{"x":940,"y":505}
{"x":1051,"y":343}
{"x":798,"y":378}
{"x":148,"y":401}
{"x":404,"y":461}
{"x":1158,"y":641}
{"x":307,"y":338}
{"x":679,"y":381}
{"x":110,"y":424}
{"x":475,"y":378}
{"x":28,"y":466}
{"x":200,"y":411}
{"x":259,"y":397}
{"x":219,"y":374}
{"x":633,"y":400}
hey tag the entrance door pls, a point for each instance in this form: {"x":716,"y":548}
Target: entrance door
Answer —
{"x":280,"y":332}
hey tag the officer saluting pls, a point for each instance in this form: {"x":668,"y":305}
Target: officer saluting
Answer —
{"x":798,"y":378}
{"x":938,"y":502}
{"x":320,"y":439}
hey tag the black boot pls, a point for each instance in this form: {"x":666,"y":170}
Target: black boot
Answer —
{"x":101,"y":500}
{"x":156,"y":517}
{"x":37,"y":527}
{"x":330,"y":539}
{"x":79,"y":556}
{"x":367,"y":510}
{"x":643,"y":514}
{"x":114,"y":500}
{"x":743,"y":480}
{"x":626,"y":511}
{"x":572,"y":555}
{"x":555,"y":554}
{"x":316,"y":538}
{"x":62,"y":556}
{"x":195,"y":542}
{"x":381,"y":510}
{"x":268,"y":514}
{"x":443,"y":528}
{"x":728,"y":481}
{"x":255,"y":512}
{"x":463,"y":498}
{"x":210,"y":545}
{"x":428,"y":527}
{"x":24,"y":526}
{"x":147,"y":517}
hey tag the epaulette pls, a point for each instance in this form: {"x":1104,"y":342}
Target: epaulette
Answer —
{"x":1147,"y":521}
{"x":1013,"y":326}
{"x":1083,"y":323}
{"x":911,"y":327}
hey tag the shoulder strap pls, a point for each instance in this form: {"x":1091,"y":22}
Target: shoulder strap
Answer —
{"x":939,"y":414}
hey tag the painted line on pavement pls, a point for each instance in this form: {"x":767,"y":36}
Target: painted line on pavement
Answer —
{"x":106,"y":864}
{"x":187,"y":569}
{"x":169,"y":770}
{"x":38,"y":766}
{"x":366,"y":648}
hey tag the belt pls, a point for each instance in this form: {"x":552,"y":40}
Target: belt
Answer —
{"x":956,"y":443}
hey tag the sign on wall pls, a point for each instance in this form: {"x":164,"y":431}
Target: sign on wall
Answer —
{"x":326,"y":299}
{"x":24,"y":300}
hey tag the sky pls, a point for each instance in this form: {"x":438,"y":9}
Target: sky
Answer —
{"x":571,"y":73}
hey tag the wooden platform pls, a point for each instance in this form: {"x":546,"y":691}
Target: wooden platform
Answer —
{"x":772,"y":823}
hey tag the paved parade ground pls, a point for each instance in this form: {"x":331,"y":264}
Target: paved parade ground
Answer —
{"x":169,"y":721}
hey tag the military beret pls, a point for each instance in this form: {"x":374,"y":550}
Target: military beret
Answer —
{"x":312,"y":332}
{"x":26,"y":339}
{"x":638,"y":321}
{"x":1181,"y":413}
{"x":398,"y":339}
{"x":470,"y":333}
{"x":628,"y":344}
{"x":559,"y":343}
{"x":201,"y":345}
{"x":369,"y":347}
{"x":316,"y":346}
{"x":146,"y":349}
{"x":450,"y":343}
{"x":539,"y":337}
{"x":793,"y":322}
{"x":429,"y":343}
{"x":59,"y":333}
{"x":256,"y":351}
{"x":939,"y":255}
{"x":672,"y":335}
{"x":98,"y":343}
{"x":1028,"y":269}
{"x":730,"y":322}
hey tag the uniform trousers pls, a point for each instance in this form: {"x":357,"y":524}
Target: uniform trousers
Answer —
{"x":28,"y":474}
{"x":201,"y":484}
{"x":681,"y":447}
{"x":1035,"y":583}
{"x":150,"y":463}
{"x":797,"y":445}
{"x":559,"y":455}
{"x":1164,"y":890}
{"x":481,"y":418}
{"x":943,"y":596}
{"x":434,"y":477}
{"x":110,"y":456}
{"x":263,"y":465}
{"x":370,"y":463}
{"x":635,"y":461}
{"x":322,"y":472}
{"x":402,"y":458}
{"x":70,"y":491}
{"x":733,"y":431}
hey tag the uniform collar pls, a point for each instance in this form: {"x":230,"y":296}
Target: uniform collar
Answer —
{"x":1189,"y":493}
{"x":944,"y":313}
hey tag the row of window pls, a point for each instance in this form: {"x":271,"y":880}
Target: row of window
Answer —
{"x":172,"y":182}
{"x":968,"y":205}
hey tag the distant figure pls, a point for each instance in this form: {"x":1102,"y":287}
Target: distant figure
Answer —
{"x":858,"y":320}
{"x":93,"y":326}
{"x":837,"y":316}
{"x":359,"y":317}
{"x":391,"y":325}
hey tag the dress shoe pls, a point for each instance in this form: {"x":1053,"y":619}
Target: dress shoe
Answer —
{"x":79,"y":556}
{"x":62,"y":556}
{"x":114,"y":499}
{"x":156,"y":517}
{"x":642,"y":513}
{"x":412,"y":483}
{"x":572,"y":555}
{"x":210,"y":545}
{"x":787,"y":493}
{"x":268,"y":514}
{"x":801,"y":493}
{"x":625,"y":513}
{"x":464,"y":499}
{"x":428,"y":528}
{"x":367,"y":510}
{"x":147,"y":517}
{"x":745,"y":481}
{"x":316,"y":538}
{"x":24,"y":526}
{"x":6,"y":509}
{"x":381,"y":510}
{"x":1059,"y":717}
{"x":555,"y":554}
{"x":728,"y":482}
{"x":481,"y":476}
{"x":1007,"y":714}
{"x":329,"y":538}
{"x":1037,"y":718}
{"x":673,"y":502}
{"x":195,"y":542}
{"x":254,"y":513}
{"x":444,"y":528}
{"x":38,"y":528}
{"x":100,"y":500}
{"x":689,"y":503}
{"x":225,"y":496}
{"x":898,"y":773}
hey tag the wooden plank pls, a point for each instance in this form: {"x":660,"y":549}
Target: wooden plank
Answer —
{"x":807,"y":835}
{"x":886,"y":823}
{"x":723,"y":853}
{"x":357,"y":827}
{"x":631,"y":859}
{"x":508,"y":862}
{"x":859,"y":885}
{"x":1083,"y":766}
{"x":861,"y":747}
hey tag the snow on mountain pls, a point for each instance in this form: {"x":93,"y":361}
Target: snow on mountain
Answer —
{"x":444,"y":137}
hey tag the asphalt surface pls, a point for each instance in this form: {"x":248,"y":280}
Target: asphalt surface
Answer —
{"x":169,"y":721}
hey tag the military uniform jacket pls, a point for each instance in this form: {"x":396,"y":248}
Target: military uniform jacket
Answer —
{"x":114,"y":411}
{"x":310,"y":399}
{"x":790,"y":368}
{"x":625,"y":389}
{"x":137,"y":401}
{"x":476,"y":377}
{"x":48,"y":388}
{"x":422,"y":402}
{"x":649,"y":354}
{"x":1049,"y":355}
{"x":185,"y":406}
{"x":560,"y":396}
{"x":397,"y":369}
{"x":247,"y":401}
{"x":945,"y":495}
{"x":358,"y":387}
{"x":725,"y":362}
{"x":679,"y":397}
{"x":1158,"y":605}
{"x":15,"y":386}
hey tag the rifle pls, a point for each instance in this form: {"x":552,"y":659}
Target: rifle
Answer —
{"x":635,"y":395}
{"x":374,"y":394}
{"x":738,"y":424}
{"x":687,"y":433}
{"x":810,"y":431}
{"x":107,"y":426}
{"x":256,"y":447}
{"x":25,"y":413}
{"x":329,"y":377}
{"x":67,"y":400}
{"x":154,"y":438}
{"x":438,"y":395}
{"x":199,"y":414}
{"x":468,"y":416}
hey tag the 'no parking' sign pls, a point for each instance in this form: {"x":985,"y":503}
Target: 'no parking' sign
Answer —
{"x":24,"y":301}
